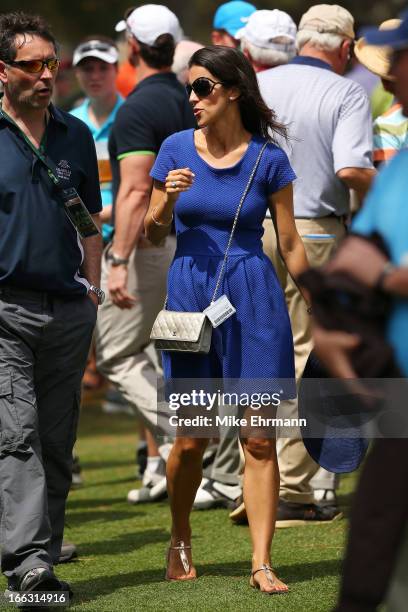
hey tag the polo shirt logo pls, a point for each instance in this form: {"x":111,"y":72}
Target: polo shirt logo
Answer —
{"x":64,"y":170}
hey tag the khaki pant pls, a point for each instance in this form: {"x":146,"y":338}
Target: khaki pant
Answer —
{"x":123,"y":349}
{"x":297,"y":468}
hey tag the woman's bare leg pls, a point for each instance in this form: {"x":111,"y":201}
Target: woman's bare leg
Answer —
{"x":261,"y":495}
{"x":184,"y":474}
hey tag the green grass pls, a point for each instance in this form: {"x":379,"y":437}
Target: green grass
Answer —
{"x":122,"y":547}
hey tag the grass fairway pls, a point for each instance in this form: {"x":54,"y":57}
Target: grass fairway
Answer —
{"x":122,"y":547}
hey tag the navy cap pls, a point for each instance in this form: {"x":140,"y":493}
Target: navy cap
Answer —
{"x":333,"y":435}
{"x":396,"y":38}
{"x":232,"y":16}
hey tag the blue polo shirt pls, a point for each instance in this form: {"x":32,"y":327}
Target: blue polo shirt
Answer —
{"x":39,"y":247}
{"x":385,"y":211}
{"x":101,"y":137}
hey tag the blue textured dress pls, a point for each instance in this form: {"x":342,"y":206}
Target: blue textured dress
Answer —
{"x":256,"y":342}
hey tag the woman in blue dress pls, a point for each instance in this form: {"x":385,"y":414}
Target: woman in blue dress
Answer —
{"x":200,"y":175}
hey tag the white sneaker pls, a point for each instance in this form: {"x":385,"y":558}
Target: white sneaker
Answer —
{"x":325,"y":496}
{"x":214,"y":494}
{"x":151,"y":478}
{"x":152,"y":493}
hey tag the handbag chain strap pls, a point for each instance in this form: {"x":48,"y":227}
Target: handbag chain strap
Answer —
{"x":251,"y":178}
{"x":248,"y":185}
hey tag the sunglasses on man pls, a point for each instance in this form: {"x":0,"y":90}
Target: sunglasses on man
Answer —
{"x":36,"y":66}
{"x":202,"y":87}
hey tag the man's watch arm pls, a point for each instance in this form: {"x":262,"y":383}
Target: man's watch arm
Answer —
{"x":98,"y":292}
{"x":115,"y":260}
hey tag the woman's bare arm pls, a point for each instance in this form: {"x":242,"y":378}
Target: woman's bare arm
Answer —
{"x":290,"y":244}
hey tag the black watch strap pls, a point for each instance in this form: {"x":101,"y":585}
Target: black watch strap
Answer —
{"x":117,"y":261}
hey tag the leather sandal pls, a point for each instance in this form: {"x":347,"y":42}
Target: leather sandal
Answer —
{"x":269,"y":573}
{"x":181,"y":548}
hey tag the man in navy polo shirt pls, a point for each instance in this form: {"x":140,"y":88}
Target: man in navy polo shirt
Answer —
{"x":48,"y":300}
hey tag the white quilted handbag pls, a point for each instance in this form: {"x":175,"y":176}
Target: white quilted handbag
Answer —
{"x":190,"y":332}
{"x":182,"y":331}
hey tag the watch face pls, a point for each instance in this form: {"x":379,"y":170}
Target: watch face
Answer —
{"x":99,"y":293}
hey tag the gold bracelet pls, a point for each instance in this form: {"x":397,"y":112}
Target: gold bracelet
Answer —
{"x":156,"y":222}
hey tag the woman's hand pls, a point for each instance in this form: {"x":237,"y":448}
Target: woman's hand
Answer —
{"x":162,"y":201}
{"x":177,"y":181}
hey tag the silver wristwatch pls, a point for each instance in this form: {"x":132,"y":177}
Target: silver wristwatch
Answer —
{"x":99,"y":294}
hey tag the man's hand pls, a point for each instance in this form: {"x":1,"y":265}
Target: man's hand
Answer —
{"x":333,"y":348}
{"x":360,"y":259}
{"x":117,"y":286}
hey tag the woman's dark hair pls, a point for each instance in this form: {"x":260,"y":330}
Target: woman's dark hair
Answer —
{"x":161,"y":54}
{"x":232,"y":69}
{"x":19,"y":23}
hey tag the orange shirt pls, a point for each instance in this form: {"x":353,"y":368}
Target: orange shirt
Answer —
{"x":126,"y":79}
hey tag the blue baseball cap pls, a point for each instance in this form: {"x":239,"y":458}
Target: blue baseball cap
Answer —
{"x":396,"y":38}
{"x":232,"y":16}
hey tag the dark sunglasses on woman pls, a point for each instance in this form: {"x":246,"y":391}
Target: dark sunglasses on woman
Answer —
{"x":202,"y":87}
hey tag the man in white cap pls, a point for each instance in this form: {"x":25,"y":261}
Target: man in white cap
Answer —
{"x":134,"y":270}
{"x":268,"y":39}
{"x":330,"y":150}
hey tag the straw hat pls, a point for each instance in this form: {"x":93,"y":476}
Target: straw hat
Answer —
{"x":377,"y":59}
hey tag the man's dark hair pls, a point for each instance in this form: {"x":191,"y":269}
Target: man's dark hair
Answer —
{"x":19,"y":23}
{"x":161,"y":54}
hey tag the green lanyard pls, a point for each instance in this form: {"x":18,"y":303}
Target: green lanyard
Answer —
{"x":38,"y":152}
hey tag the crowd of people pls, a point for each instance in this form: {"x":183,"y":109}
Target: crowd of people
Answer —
{"x":201,"y":178}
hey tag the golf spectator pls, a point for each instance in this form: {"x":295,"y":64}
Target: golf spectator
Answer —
{"x":198,"y":169}
{"x":133,"y":269}
{"x":48,"y":299}
{"x":330,"y":150}
{"x":268,"y":39}
{"x":96,"y":65}
{"x":228,"y":19}
{"x":391,"y":128}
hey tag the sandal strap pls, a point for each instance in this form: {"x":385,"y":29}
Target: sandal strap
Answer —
{"x":181,"y":547}
{"x":183,"y":557}
{"x":265,"y":568}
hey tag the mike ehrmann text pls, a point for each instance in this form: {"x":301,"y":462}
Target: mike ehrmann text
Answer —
{"x":255,"y":420}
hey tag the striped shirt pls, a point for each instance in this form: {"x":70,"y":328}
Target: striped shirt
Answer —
{"x":390,"y":134}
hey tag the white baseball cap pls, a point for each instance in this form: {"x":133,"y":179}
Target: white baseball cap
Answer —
{"x":150,"y":21}
{"x":96,"y":48}
{"x":269,"y":29}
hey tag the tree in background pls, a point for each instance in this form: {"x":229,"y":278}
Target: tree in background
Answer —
{"x":78,"y":18}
